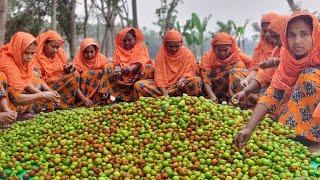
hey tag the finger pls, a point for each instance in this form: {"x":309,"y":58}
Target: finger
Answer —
{"x":15,"y":115}
{"x":56,"y":95}
{"x":235,"y":140}
{"x":241,"y":141}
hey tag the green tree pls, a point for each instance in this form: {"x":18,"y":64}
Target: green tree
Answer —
{"x":167,"y":15}
{"x":64,"y":15}
{"x":194,"y":32}
{"x":233,"y":29}
{"x":225,"y":27}
{"x":27,"y":15}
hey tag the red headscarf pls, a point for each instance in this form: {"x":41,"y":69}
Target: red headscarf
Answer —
{"x":170,"y":68}
{"x":97,"y":62}
{"x":264,"y":48}
{"x":290,"y":68}
{"x":51,"y":69}
{"x":211,"y":60}
{"x":138,"y":54}
{"x":19,"y":76}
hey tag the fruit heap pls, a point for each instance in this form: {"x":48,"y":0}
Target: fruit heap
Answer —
{"x":177,"y":137}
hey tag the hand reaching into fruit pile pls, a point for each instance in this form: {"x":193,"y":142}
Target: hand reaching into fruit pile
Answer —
{"x":163,"y":138}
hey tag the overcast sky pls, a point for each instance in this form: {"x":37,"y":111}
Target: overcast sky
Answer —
{"x":223,"y":10}
{"x":237,"y":10}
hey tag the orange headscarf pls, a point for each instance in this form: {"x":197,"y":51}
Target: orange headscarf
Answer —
{"x":51,"y":69}
{"x":97,"y":63}
{"x":138,"y":54}
{"x":290,"y":68}
{"x":19,"y":76}
{"x":277,"y":25}
{"x":211,"y":60}
{"x":170,"y":68}
{"x":264,"y":48}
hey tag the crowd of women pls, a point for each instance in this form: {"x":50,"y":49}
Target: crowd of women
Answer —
{"x":281,"y":78}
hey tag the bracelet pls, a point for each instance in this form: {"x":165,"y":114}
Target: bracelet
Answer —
{"x":274,"y":63}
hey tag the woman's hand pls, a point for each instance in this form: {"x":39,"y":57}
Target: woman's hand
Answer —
{"x":69,"y":67}
{"x":242,"y":137}
{"x":117,"y":71}
{"x":181,"y":82}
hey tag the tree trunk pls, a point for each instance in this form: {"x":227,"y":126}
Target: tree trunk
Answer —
{"x":86,"y":17}
{"x":3,"y":9}
{"x":98,"y":31}
{"x":134,"y":13}
{"x":109,"y":40}
{"x":73,"y":44}
{"x":293,"y":6}
{"x":54,"y":15}
{"x":168,"y":23}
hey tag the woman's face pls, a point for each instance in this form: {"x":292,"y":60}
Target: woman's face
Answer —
{"x":129,"y":41}
{"x":89,"y":52}
{"x":264,"y":28}
{"x":29,"y":53}
{"x":223,"y":51}
{"x":299,"y":37}
{"x":275,"y":38}
{"x":173,"y":47}
{"x":51,"y":48}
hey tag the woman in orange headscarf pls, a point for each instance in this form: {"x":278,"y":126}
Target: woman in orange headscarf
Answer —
{"x":60,"y":75}
{"x":92,"y":66}
{"x":268,"y":67}
{"x":294,"y":89}
{"x":132,"y":63}
{"x":16,"y":62}
{"x":175,"y":70}
{"x":264,"y":48}
{"x":222,"y":66}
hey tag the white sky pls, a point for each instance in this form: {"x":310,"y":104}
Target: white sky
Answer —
{"x":223,"y":10}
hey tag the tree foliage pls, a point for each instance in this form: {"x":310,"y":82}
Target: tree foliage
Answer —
{"x":194,"y":32}
{"x":167,"y":15}
{"x":27,"y":15}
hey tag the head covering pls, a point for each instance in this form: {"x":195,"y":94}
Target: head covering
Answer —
{"x":264,"y":48}
{"x":138,"y":54}
{"x":211,"y":60}
{"x":51,"y":68}
{"x":290,"y":68}
{"x":170,"y":68}
{"x":11,"y":61}
{"x":278,"y":25}
{"x":83,"y":64}
{"x":267,"y":18}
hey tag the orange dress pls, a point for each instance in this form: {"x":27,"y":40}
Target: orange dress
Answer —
{"x":169,"y":69}
{"x":94,"y":73}
{"x":295,"y":88}
{"x":18,"y":75}
{"x":52,"y":71}
{"x":224,"y":76}
{"x":123,"y":87}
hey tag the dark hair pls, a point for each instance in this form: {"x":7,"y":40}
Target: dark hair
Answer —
{"x":94,"y":46}
{"x":132,"y":33}
{"x":47,"y":41}
{"x":34,"y":43}
{"x":307,"y":19}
